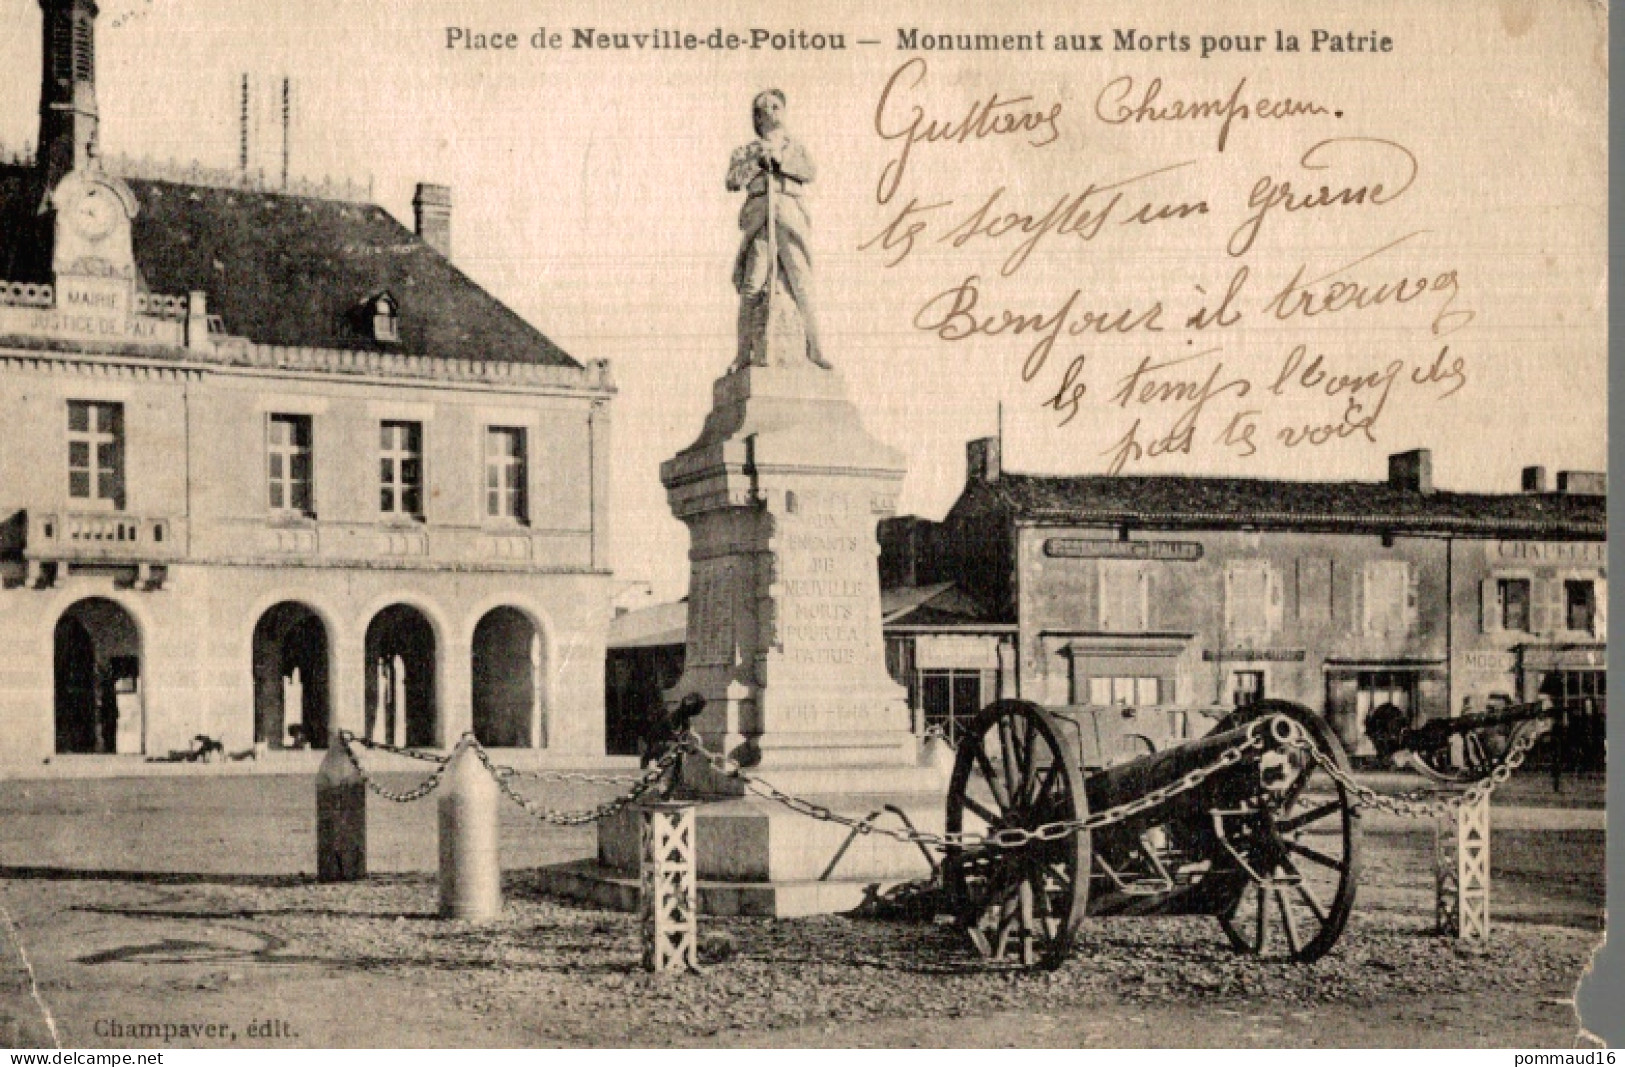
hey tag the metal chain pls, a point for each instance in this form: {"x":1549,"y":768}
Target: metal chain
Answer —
{"x":641,"y":785}
{"x":410,"y":753}
{"x":1006,"y":837}
{"x":569,"y":776}
{"x":418,"y":792}
{"x":1412,"y":806}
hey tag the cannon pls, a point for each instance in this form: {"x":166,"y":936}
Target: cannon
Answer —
{"x":1461,"y":749}
{"x":1237,"y":820}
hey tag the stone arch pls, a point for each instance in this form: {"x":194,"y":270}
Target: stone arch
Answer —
{"x":291,"y":663}
{"x":97,"y":679}
{"x":402,"y":676}
{"x":508,"y":666}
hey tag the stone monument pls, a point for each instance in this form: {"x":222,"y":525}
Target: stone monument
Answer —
{"x":781,"y":493}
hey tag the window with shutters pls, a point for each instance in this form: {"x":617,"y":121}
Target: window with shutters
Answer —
{"x":1580,"y":605}
{"x":1513,"y":594}
{"x":1390,"y":598}
{"x":1252,"y":597}
{"x":1509,"y":602}
{"x":1314,"y":589}
{"x":1124,"y":596}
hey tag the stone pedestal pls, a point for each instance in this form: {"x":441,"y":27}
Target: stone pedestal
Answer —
{"x":782,"y":493}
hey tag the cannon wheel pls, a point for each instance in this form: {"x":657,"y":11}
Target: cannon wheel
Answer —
{"x":1304,"y":851}
{"x":1014,"y":769}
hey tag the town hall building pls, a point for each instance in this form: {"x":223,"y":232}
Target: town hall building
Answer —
{"x":271,"y":466}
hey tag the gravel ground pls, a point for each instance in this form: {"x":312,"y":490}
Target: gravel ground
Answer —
{"x":553,"y":974}
{"x":133,"y":912}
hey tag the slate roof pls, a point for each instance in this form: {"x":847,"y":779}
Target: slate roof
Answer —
{"x":1191,"y":502}
{"x":938,"y":604}
{"x":293,"y":270}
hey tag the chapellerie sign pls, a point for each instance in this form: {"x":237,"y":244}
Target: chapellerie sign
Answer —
{"x":1099,"y":548}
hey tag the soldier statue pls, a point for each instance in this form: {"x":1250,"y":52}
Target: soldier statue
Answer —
{"x":773,"y":272}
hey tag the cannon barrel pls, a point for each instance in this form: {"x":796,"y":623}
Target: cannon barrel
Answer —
{"x":1112,"y":786}
{"x":1389,"y":736}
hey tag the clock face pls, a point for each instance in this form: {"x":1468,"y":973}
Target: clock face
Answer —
{"x":96,"y":212}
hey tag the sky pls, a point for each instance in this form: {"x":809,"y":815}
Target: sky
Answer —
{"x":589,"y":197}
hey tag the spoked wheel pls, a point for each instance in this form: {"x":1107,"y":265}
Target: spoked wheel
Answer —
{"x":1300,"y":846}
{"x":1015,"y":769}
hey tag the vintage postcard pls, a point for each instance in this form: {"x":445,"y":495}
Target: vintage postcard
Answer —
{"x":802,"y":524}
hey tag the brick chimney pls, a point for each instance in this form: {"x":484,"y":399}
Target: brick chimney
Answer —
{"x":982,"y":460}
{"x":431,"y":215}
{"x":1534,"y":479}
{"x":1411,"y":471}
{"x":1582,"y":483}
{"x":68,"y":120}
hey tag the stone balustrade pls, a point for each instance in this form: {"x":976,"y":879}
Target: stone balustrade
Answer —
{"x":99,"y":535}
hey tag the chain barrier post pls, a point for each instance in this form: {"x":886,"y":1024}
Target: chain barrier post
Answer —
{"x":470,"y":861}
{"x":341,"y":818}
{"x":668,"y":904}
{"x":1462,"y":862}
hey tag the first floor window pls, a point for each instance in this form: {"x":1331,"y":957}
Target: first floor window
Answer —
{"x":1580,"y":600}
{"x":288,"y":463}
{"x":400,"y":469}
{"x":1124,"y":596}
{"x":505,"y":473}
{"x":1252,"y":597}
{"x":96,"y":452}
{"x":1513,"y":594}
{"x":1390,"y":599}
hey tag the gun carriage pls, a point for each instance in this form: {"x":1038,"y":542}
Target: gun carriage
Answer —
{"x":1240,"y":821}
{"x":1461,"y":749}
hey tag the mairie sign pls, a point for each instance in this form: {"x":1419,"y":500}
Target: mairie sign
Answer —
{"x":1100,"y":548}
{"x":91,"y":309}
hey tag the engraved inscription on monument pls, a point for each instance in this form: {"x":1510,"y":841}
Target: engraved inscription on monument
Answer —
{"x":824,"y":611}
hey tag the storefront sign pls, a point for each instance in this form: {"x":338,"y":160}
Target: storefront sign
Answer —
{"x":1254,"y":655}
{"x":1555,"y":552}
{"x":1084,"y":548}
{"x":1489,"y":662}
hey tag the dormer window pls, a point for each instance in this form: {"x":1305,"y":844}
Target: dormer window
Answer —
{"x":386,"y":320}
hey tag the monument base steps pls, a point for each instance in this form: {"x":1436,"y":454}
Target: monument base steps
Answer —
{"x":756,"y":857}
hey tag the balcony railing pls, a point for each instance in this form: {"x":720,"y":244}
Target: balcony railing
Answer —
{"x":72,"y":536}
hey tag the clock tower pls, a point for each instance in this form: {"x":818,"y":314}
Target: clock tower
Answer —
{"x":68,"y":119}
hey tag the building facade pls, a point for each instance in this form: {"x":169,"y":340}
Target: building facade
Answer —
{"x":1219,"y":591}
{"x":271,"y":466}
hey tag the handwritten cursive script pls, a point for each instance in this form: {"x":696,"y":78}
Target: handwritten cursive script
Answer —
{"x":899,"y":118}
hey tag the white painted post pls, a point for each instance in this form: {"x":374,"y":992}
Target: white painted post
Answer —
{"x":669,"y":903}
{"x":470,"y":859}
{"x":1461,"y":846}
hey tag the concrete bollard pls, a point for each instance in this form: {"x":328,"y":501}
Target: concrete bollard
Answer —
{"x":470,"y":862}
{"x":341,"y":819}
